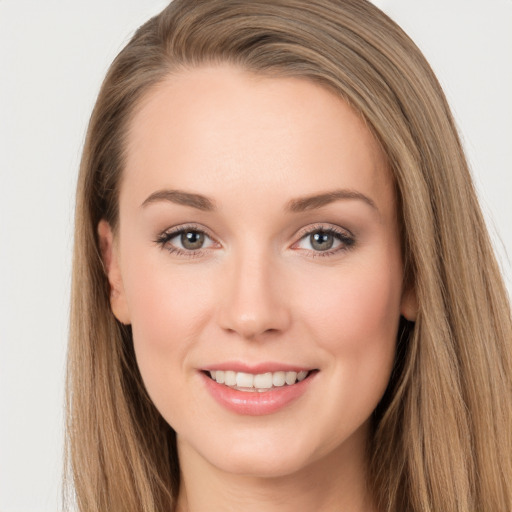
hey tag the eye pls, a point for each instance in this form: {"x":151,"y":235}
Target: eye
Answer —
{"x":322,"y":240}
{"x":185,"y":240}
{"x":325,"y":240}
{"x":191,"y":240}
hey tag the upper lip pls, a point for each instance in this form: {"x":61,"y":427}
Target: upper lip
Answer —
{"x":256,"y":368}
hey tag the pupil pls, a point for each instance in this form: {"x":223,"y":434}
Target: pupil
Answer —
{"x":192,"y":240}
{"x":321,"y":241}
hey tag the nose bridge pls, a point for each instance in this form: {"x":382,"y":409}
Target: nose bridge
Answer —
{"x":254,"y":302}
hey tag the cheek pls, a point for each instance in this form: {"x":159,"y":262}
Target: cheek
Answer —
{"x":361,"y":307}
{"x":355,"y":320}
{"x":165,"y":301}
{"x":168,"y":309}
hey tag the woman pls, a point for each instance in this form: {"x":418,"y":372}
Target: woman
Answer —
{"x":284,"y":293}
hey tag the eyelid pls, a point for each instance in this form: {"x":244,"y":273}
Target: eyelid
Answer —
{"x":345,"y":237}
{"x":189,"y":226}
{"x":168,"y":234}
{"x":311,"y":228}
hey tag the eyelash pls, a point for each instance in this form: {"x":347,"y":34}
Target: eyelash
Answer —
{"x":164,"y":238}
{"x":344,"y":236}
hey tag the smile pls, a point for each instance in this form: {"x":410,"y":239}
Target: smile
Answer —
{"x":260,"y":393}
{"x":261,"y":382}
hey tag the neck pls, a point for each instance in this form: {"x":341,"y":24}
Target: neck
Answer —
{"x":335,"y":482}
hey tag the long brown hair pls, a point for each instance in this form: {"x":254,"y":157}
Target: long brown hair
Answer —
{"x":442,"y":437}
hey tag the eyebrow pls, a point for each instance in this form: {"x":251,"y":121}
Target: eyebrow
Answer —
{"x":297,"y":205}
{"x":318,"y":200}
{"x":181,"y":197}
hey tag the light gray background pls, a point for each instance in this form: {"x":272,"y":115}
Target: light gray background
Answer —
{"x":53,"y":56}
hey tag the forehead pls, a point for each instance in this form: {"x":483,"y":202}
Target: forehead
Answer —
{"x":216,"y":129}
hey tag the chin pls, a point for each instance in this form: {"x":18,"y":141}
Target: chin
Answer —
{"x":261,"y":467}
{"x":260,"y":454}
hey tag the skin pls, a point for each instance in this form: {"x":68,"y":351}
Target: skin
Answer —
{"x":258,"y":290}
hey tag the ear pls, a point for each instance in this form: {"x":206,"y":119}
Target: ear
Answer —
{"x":110,"y":256}
{"x":409,"y":303}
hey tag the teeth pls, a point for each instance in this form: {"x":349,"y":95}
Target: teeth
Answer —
{"x":244,"y":380}
{"x":290,"y":378}
{"x":263,"y":380}
{"x":259,"y":382}
{"x":278,"y":379}
{"x":302,"y":375}
{"x":230,"y":378}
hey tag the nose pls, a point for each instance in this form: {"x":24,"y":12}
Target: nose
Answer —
{"x":253,"y":299}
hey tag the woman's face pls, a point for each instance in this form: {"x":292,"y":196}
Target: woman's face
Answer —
{"x":258,"y":240}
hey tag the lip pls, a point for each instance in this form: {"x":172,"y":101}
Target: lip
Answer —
{"x":265,"y":367}
{"x":255,"y":403}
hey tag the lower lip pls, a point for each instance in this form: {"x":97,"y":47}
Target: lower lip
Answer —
{"x":256,"y":403}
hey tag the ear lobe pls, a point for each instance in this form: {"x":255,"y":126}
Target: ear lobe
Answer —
{"x":409,"y":304}
{"x":110,"y":257}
